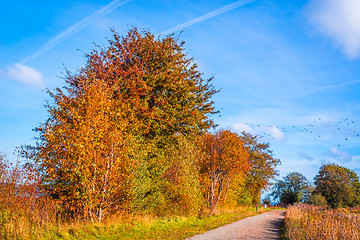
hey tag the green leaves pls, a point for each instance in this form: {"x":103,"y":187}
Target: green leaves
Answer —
{"x":263,"y":166}
{"x":293,"y":188}
{"x":339,"y":185}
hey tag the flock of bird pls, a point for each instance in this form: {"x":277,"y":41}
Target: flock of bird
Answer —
{"x":343,"y":129}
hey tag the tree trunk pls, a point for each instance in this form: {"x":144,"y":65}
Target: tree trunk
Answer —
{"x":100,"y":215}
{"x":212,"y":194}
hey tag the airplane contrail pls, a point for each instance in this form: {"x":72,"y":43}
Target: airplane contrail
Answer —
{"x":111,"y":7}
{"x":331,"y":86}
{"x":208,"y":16}
{"x":75,"y":28}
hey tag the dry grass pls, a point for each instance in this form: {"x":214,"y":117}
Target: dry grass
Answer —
{"x":310,"y":222}
{"x":25,"y":213}
{"x":128,"y":227}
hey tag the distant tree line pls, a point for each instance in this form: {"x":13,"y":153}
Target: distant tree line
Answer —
{"x":334,"y":185}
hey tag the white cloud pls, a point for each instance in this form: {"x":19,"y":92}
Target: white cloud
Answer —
{"x":271,"y":131}
{"x":275,"y":132}
{"x":26,"y":75}
{"x":240,"y":127}
{"x":342,"y":156}
{"x":339,"y":20}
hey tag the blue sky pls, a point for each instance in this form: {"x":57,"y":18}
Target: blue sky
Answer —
{"x":288,"y":70}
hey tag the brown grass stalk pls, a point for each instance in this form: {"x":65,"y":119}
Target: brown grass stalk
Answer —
{"x":25,"y":211}
{"x":310,"y":222}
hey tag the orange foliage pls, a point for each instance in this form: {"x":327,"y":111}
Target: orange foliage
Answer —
{"x":84,"y":155}
{"x":224,"y":158}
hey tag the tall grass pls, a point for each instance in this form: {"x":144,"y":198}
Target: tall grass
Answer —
{"x":24,"y":211}
{"x":310,"y":222}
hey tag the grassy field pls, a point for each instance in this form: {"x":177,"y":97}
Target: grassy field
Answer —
{"x":310,"y":222}
{"x":146,"y":227}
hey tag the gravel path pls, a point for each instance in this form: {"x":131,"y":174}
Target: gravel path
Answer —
{"x":259,"y":227}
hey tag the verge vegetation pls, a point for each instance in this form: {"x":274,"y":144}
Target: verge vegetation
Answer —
{"x":150,"y":227}
{"x":303,"y":221}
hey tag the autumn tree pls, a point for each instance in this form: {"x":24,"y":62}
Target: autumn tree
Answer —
{"x":354,"y":178}
{"x":224,"y":158}
{"x":83,"y":153}
{"x":339,"y":185}
{"x":262,"y":166}
{"x":122,"y":109}
{"x":166,"y":94}
{"x":294,"y":187}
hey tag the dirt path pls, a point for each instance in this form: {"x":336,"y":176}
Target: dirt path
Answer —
{"x":260,"y":227}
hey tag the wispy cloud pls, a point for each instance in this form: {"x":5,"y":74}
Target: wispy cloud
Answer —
{"x":339,"y":20}
{"x":305,"y":156}
{"x":75,"y":28}
{"x":208,"y":16}
{"x":342,"y":156}
{"x":27,"y":75}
